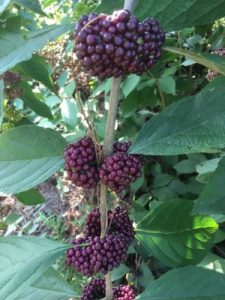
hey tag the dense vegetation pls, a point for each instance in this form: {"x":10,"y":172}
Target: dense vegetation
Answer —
{"x":127,"y":105}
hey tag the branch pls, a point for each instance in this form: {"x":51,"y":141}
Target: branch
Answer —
{"x":107,"y":150}
{"x":1,"y":99}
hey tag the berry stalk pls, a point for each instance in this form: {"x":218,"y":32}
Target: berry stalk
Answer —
{"x":107,"y":150}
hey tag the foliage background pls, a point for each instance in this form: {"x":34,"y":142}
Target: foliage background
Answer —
{"x":175,"y":118}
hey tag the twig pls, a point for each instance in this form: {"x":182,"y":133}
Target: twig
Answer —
{"x":107,"y":150}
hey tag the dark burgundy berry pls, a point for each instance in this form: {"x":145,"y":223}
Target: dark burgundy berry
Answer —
{"x":211,"y":75}
{"x":11,"y":78}
{"x":95,"y":290}
{"x":121,"y":147}
{"x":119,"y":170}
{"x":80,"y":163}
{"x":91,"y":255}
{"x":125,"y":44}
{"x":90,"y":39}
{"x":119,"y":223}
{"x":124,"y":292}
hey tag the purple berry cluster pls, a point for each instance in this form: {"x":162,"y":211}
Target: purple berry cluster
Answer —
{"x":117,"y":44}
{"x":11,"y":78}
{"x":92,"y":254}
{"x":121,"y":147}
{"x":213,"y":74}
{"x":81,"y":166}
{"x":118,"y":220}
{"x":119,"y":170}
{"x":116,"y":172}
{"x":96,"y":290}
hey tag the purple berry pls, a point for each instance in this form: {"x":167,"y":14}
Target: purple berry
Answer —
{"x":90,"y":39}
{"x":119,"y":170}
{"x":95,"y":290}
{"x":80,"y":163}
{"x":119,"y":39}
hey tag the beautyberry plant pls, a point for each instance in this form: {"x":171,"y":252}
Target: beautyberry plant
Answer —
{"x":130,"y":103}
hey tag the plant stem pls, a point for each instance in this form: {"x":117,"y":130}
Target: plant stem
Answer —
{"x":107,"y":150}
{"x":1,"y":100}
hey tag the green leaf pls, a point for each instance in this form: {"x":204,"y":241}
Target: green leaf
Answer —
{"x":174,"y":236}
{"x":167,"y":85}
{"x":33,"y":5}
{"x":33,"y":257}
{"x":189,"y":283}
{"x":49,"y":285}
{"x":36,"y":68}
{"x":28,"y":156}
{"x":173,"y":14}
{"x":162,"y":180}
{"x":31,"y":197}
{"x":130,"y":84}
{"x":210,"y":61}
{"x":212,"y":198}
{"x":31,"y":101}
{"x":213,"y":262}
{"x":3,"y":5}
{"x":206,"y":169}
{"x":17,"y":48}
{"x":193,"y":124}
{"x":145,"y":275}
{"x":12,"y":218}
{"x":186,"y":166}
{"x":69,"y":112}
{"x":120,"y":272}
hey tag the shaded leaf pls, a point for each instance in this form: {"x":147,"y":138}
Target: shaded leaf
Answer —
{"x":17,"y":48}
{"x":212,"y":198}
{"x":36,"y":68}
{"x":32,"y":102}
{"x":210,"y":61}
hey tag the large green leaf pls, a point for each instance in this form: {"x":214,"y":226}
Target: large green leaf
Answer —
{"x":32,"y":102}
{"x":33,"y":5}
{"x":193,"y":124}
{"x":212,"y":199}
{"x":28,"y":156}
{"x":50,"y":286}
{"x":173,"y":14}
{"x":189,"y":283}
{"x":22,"y":261}
{"x":174,"y":236}
{"x":30,"y":197}
{"x":36,"y":68}
{"x":3,"y":5}
{"x":211,"y":61}
{"x":17,"y":47}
